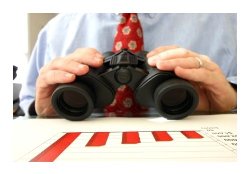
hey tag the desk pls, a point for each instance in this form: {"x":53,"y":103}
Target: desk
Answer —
{"x":195,"y":138}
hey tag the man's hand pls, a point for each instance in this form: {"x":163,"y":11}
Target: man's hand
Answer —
{"x":62,"y":70}
{"x":215,"y":92}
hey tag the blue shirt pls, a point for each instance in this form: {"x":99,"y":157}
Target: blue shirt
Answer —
{"x":214,"y":35}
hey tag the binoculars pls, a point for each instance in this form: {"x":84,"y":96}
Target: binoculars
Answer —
{"x":173,"y":97}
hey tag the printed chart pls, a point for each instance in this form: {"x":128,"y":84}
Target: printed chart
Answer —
{"x":204,"y":144}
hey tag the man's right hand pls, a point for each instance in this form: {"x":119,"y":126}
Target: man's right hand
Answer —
{"x":62,"y":70}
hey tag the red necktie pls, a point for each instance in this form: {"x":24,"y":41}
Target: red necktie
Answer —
{"x":129,"y":36}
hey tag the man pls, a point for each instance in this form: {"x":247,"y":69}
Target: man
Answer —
{"x":200,"y":48}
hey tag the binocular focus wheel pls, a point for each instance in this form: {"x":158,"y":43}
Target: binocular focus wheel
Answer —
{"x":73,"y":102}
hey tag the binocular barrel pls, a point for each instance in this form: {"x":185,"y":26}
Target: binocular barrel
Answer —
{"x":73,"y":101}
{"x":173,"y":99}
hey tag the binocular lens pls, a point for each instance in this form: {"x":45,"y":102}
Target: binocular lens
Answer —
{"x":175,"y":99}
{"x":74,"y":102}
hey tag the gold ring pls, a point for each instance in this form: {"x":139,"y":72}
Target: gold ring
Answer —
{"x":200,"y":62}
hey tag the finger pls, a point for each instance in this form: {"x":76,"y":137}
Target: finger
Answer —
{"x":203,"y":61}
{"x":171,"y":54}
{"x":208,"y":63}
{"x":171,"y":64}
{"x":54,"y":77}
{"x":203,"y":104}
{"x":201,"y":75}
{"x":190,"y":62}
{"x":67,"y":65}
{"x":160,"y":49}
{"x":88,"y":56}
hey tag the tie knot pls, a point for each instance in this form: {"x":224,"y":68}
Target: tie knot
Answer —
{"x":129,"y":34}
{"x":128,"y":17}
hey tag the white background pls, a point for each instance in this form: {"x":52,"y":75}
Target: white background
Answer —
{"x":10,"y":43}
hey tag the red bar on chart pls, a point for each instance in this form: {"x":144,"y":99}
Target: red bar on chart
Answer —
{"x":161,"y":136}
{"x":191,"y":134}
{"x":98,"y":139}
{"x":54,"y":150}
{"x":130,"y":138}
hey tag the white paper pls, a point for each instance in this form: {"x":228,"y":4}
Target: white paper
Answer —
{"x":219,"y":142}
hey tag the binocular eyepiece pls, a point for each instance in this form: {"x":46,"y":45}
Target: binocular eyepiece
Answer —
{"x":173,"y":97}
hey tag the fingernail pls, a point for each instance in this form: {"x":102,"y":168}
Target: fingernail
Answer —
{"x":151,"y":61}
{"x":98,"y":59}
{"x":150,"y":54}
{"x":81,"y":66}
{"x":68,"y":75}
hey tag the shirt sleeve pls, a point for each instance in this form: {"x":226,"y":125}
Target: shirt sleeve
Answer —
{"x":37,"y":60}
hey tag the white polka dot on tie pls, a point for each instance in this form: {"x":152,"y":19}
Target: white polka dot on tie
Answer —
{"x":127,"y":103}
{"x":126,"y":30}
{"x":122,"y":88}
{"x":132,"y":45}
{"x":133,"y":18}
{"x":139,"y":33}
{"x":118,"y":46}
